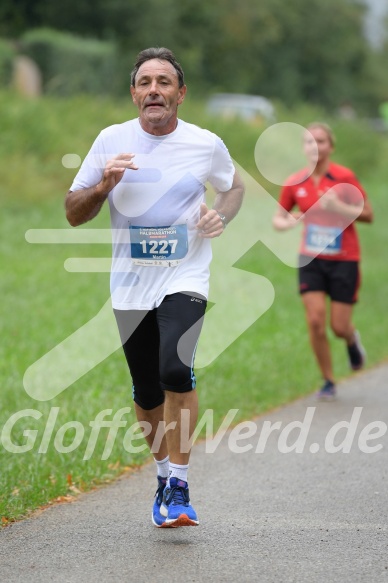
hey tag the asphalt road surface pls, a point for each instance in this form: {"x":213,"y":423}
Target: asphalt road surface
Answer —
{"x":307,"y":501}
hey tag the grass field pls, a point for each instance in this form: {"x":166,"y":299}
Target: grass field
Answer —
{"x":42,"y":304}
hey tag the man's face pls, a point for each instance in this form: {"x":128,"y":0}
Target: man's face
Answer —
{"x":157,"y":95}
{"x":317,"y":145}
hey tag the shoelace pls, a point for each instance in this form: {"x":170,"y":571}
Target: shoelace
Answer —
{"x":178,"y":496}
{"x":159,"y":493}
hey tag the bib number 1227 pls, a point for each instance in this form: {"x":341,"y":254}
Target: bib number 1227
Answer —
{"x":163,"y":247}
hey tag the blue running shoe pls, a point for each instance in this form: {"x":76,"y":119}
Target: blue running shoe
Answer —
{"x":327,"y":392}
{"x":176,"y":507}
{"x":157,"y":519}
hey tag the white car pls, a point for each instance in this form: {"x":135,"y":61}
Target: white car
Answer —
{"x":247,"y":107}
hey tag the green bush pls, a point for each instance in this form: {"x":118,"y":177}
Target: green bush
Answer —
{"x":70,"y":64}
{"x":7,"y":54}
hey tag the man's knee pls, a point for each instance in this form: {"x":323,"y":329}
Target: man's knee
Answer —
{"x":177,"y":379}
{"x":148,"y":400}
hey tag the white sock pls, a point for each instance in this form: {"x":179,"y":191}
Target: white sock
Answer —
{"x":177,"y":471}
{"x":163,"y":467}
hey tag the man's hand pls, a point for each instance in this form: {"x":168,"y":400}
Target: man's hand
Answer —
{"x":210,"y":224}
{"x":83,"y":205}
{"x":114,"y":171}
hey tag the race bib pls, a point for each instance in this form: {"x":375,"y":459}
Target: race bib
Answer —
{"x":322,"y":239}
{"x":158,"y":246}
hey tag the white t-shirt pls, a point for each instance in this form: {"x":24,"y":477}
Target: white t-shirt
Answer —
{"x":166,"y":191}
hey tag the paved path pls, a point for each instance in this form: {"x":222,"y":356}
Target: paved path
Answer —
{"x":273,"y":516}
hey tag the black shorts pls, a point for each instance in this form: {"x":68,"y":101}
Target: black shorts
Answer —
{"x":159,"y":353}
{"x":338,"y":279}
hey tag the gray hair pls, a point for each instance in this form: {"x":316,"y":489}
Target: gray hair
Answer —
{"x":162,"y":54}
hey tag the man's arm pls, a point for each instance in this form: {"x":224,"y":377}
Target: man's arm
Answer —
{"x":226,"y":204}
{"x":83,"y":205}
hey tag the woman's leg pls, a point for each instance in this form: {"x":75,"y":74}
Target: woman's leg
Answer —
{"x":315,"y":310}
{"x":341,"y":321}
{"x":343,"y":327}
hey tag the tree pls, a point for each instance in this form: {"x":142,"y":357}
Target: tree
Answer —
{"x":304,"y":50}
